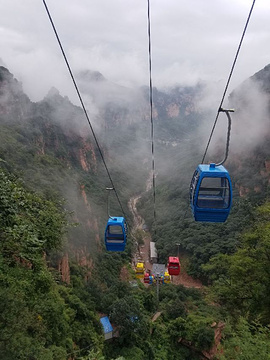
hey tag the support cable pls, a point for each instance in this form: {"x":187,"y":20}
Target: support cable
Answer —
{"x":229,"y":79}
{"x":151,"y":113}
{"x":82,"y":104}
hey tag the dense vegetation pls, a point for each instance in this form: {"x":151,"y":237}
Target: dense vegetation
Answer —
{"x":43,"y":318}
{"x":39,"y":317}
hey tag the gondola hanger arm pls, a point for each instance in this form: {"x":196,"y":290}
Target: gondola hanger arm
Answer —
{"x":227,"y":112}
{"x":108,"y":201}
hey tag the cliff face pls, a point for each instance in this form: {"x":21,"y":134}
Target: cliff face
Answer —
{"x":87,"y":156}
{"x":14,"y":104}
{"x":63,"y":268}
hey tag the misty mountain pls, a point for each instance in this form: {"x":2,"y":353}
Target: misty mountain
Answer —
{"x":124,"y":106}
{"x":262,"y":77}
{"x":250,"y":142}
{"x":46,"y":144}
{"x":56,"y":153}
{"x":49,"y":146}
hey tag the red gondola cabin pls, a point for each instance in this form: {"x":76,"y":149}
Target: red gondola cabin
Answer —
{"x":173,"y":266}
{"x":146,"y":278}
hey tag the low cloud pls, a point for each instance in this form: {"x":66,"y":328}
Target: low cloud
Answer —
{"x":251,"y":118}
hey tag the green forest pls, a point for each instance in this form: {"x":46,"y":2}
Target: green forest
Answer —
{"x":54,"y":206}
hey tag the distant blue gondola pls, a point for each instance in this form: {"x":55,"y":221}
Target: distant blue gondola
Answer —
{"x":116,"y":234}
{"x":211,"y":193}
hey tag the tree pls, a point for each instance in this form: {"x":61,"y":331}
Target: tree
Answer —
{"x":241,"y":281}
{"x":127,"y":315}
{"x":245,"y":341}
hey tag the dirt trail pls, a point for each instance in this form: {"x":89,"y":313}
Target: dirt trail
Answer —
{"x":138,"y":220}
{"x":186,"y":280}
{"x":156,"y":316}
{"x":144,"y":250}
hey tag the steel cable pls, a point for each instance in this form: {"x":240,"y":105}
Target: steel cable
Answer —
{"x":82,"y":104}
{"x":229,"y":79}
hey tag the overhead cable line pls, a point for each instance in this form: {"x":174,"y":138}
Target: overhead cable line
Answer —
{"x":228,"y":81}
{"x":151,"y":113}
{"x":82,"y":104}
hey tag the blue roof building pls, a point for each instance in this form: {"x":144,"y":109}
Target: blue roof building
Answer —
{"x":107,"y":327}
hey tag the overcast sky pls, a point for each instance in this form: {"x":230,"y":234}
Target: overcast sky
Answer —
{"x":191,"y":40}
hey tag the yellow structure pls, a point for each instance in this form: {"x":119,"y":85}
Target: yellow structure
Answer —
{"x":167,"y":278}
{"x":139,"y":270}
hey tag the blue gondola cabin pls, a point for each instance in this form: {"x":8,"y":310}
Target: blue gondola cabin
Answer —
{"x":116,"y":234}
{"x":211,"y":193}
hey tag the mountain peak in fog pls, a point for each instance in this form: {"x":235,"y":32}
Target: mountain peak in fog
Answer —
{"x":92,"y":76}
{"x":54,"y":97}
{"x":53,"y":92}
{"x":5,"y":74}
{"x":263,"y":78}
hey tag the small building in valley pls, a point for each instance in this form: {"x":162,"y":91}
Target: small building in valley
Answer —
{"x":153,"y":252}
{"x":107,"y":327}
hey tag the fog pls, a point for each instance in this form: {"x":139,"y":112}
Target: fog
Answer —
{"x":252,"y":117}
{"x":191,"y":41}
